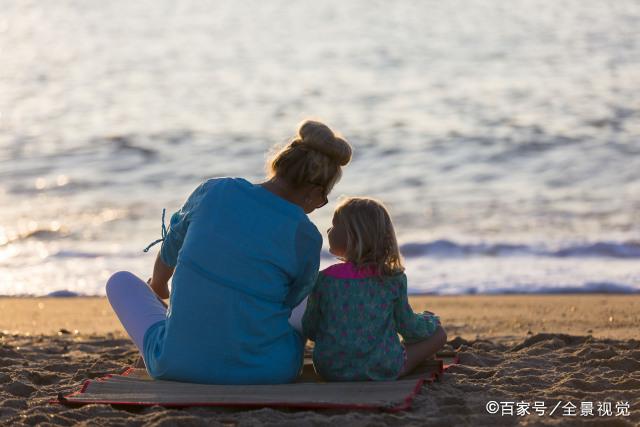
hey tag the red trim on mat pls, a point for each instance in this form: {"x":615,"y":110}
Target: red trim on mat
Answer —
{"x":128,"y":371}
{"x":409,"y":399}
{"x":402,"y":406}
{"x":301,"y":405}
{"x":62,"y":398}
{"x":405,"y":404}
{"x":455,"y":361}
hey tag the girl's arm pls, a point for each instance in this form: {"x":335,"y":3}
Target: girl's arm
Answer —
{"x":159,"y":282}
{"x":413,"y":327}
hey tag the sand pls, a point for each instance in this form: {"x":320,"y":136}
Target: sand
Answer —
{"x":571,"y":349}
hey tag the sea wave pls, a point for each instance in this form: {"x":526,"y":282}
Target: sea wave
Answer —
{"x":539,"y":289}
{"x":89,"y":254}
{"x":441,"y":248}
{"x":449,"y":248}
{"x":534,"y":289}
{"x":444,"y":248}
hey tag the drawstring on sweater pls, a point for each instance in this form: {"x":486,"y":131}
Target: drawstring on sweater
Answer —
{"x":164,"y":234}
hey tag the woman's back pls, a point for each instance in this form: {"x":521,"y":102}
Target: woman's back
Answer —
{"x":246,"y":258}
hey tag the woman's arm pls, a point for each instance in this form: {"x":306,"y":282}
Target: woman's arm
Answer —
{"x":307,"y":249}
{"x":159,"y":282}
{"x":311,"y":315}
{"x":168,"y":256}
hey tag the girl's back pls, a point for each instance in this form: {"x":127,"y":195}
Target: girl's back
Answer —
{"x":354,"y":318}
{"x":358,"y":307}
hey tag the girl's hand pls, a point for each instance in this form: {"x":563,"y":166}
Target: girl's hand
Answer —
{"x":431,"y":314}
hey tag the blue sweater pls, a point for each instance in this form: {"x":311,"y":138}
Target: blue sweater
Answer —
{"x":244,"y":258}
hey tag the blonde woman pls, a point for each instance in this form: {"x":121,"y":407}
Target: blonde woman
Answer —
{"x":242,"y":256}
{"x":359,"y":306}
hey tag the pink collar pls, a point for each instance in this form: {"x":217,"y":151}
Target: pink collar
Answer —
{"x":346,"y":270}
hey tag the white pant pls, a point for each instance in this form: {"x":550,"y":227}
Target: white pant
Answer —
{"x":138,"y":307}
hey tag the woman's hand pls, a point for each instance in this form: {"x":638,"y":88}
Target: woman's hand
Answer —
{"x":159,"y":281}
{"x":160,"y":289}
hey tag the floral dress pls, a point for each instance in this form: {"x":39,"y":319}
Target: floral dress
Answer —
{"x":354,"y":317}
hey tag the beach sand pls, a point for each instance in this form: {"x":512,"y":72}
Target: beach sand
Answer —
{"x":547,"y":348}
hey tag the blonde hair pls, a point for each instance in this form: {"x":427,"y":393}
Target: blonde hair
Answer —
{"x":371,"y":239}
{"x":314,"y":156}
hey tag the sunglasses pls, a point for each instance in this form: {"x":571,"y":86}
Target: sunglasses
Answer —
{"x":325,"y":199}
{"x":324,"y":202}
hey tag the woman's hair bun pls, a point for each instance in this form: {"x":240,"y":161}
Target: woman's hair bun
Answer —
{"x":319,"y":137}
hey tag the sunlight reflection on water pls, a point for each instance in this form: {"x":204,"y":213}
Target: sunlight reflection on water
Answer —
{"x":477,"y":121}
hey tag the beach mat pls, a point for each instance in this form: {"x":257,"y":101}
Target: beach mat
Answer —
{"x":135,"y":388}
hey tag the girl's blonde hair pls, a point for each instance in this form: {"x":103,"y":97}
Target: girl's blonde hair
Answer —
{"x":371,"y":239}
{"x":314,"y":156}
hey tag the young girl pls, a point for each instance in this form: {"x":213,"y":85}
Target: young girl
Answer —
{"x":358,"y":307}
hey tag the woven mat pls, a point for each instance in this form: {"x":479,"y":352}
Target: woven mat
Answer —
{"x":135,"y":387}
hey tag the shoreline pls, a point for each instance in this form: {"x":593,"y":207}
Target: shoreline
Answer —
{"x":500,"y":317}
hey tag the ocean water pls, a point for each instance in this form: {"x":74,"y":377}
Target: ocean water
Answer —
{"x":504,"y":137}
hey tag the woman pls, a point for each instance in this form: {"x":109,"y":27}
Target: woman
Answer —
{"x":242,"y":256}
